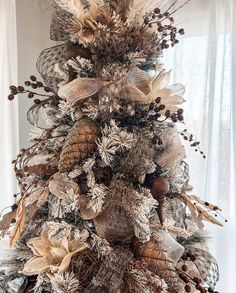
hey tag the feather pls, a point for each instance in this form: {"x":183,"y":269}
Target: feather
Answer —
{"x":105,"y":15}
{"x":19,"y":225}
{"x":94,"y":6}
{"x":123,"y":7}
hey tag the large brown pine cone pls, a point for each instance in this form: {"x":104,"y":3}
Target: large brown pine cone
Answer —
{"x":158,"y":262}
{"x":80,"y":143}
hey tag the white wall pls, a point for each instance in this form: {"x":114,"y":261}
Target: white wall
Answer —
{"x":33,"y":36}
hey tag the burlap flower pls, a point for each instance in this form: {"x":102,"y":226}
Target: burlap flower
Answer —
{"x":53,"y":250}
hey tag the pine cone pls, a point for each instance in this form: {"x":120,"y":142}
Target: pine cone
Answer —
{"x":80,"y":143}
{"x":158,"y":262}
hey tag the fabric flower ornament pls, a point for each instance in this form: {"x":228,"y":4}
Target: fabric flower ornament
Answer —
{"x":171,"y":95}
{"x":53,"y":250}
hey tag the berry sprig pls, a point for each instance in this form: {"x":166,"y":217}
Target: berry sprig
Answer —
{"x":193,"y":142}
{"x":21,"y":162}
{"x":34,"y":84}
{"x":166,"y":31}
{"x":155,"y":114}
{"x":156,"y":110}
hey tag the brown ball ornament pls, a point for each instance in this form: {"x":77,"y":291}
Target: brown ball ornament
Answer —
{"x":160,"y":187}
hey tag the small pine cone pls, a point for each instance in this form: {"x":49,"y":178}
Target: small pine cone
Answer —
{"x":80,"y":143}
{"x":158,"y":262}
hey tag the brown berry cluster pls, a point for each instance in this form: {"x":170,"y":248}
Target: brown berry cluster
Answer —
{"x":156,"y":109}
{"x":193,"y":143}
{"x":32,"y":83}
{"x":165,"y":28}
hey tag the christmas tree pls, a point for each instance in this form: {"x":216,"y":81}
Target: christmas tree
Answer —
{"x":105,"y":203}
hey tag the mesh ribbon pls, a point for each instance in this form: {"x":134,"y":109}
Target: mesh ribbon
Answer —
{"x":46,"y":65}
{"x":59,"y":26}
{"x":206,"y":266}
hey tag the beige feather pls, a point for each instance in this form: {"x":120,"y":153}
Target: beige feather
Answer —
{"x":123,"y":8}
{"x":105,"y":15}
{"x":19,"y":225}
{"x":94,"y":7}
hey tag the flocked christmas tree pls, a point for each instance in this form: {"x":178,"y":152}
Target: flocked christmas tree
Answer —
{"x":105,"y":203}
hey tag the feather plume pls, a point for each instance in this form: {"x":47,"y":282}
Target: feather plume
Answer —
{"x":19,"y":225}
{"x":122,"y":8}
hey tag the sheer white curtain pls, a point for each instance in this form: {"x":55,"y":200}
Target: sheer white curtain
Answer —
{"x":9,"y":137}
{"x":205,"y":61}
